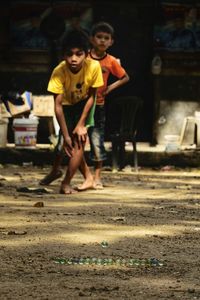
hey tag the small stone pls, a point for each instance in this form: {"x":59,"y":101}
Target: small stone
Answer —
{"x":14,"y":232}
{"x":39,"y":204}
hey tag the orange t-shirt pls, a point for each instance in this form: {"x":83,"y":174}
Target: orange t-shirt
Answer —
{"x":109,"y":65}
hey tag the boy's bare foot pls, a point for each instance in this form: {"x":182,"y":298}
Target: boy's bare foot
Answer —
{"x":67,"y":189}
{"x":87,"y":184}
{"x":50,"y":177}
{"x":98,"y":185}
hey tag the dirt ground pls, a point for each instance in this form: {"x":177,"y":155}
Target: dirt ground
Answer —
{"x":152,"y":214}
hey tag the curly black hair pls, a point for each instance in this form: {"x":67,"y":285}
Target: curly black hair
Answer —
{"x":76,"y":38}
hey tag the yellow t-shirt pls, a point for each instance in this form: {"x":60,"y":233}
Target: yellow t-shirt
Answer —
{"x":75,"y":87}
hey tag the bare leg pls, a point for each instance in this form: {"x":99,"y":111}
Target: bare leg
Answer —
{"x":85,"y":171}
{"x":74,"y":163}
{"x":97,"y":175}
{"x":55,"y":172}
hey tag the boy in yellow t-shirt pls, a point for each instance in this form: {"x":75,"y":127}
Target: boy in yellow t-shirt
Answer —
{"x":74,"y":83}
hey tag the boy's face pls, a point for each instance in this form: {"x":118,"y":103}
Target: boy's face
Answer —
{"x":102,"y":41}
{"x":74,"y":58}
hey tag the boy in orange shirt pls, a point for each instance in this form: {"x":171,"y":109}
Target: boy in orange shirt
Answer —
{"x":102,"y":35}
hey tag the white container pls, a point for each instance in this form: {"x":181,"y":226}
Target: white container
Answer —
{"x":172,"y":143}
{"x":3,"y":132}
{"x":197,"y":114}
{"x":25,"y":133}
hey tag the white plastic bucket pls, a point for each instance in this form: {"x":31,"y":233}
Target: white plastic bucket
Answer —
{"x":25,"y":133}
{"x":172,"y":143}
{"x":3,"y":132}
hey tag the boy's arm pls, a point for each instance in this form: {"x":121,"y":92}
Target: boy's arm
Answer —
{"x":63,"y":126}
{"x":116,"y":84}
{"x":80,"y":130}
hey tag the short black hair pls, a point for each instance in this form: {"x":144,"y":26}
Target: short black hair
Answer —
{"x":102,"y":27}
{"x":75,"y":38}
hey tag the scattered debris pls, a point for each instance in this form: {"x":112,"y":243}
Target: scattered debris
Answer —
{"x":118,"y":219}
{"x":39,"y":204}
{"x":14,"y":232}
{"x":34,"y":190}
{"x":183,"y":187}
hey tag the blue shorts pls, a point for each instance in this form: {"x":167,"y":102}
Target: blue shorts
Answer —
{"x":96,"y":135}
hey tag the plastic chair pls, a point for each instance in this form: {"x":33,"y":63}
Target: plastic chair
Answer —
{"x":129,"y":109}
